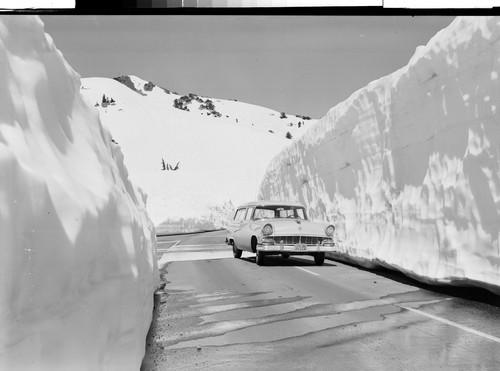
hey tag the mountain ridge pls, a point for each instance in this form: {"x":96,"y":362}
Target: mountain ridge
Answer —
{"x":137,"y":84}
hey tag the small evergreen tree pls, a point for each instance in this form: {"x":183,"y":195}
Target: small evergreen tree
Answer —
{"x":210,"y":106}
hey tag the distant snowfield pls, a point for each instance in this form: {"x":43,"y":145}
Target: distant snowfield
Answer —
{"x":78,"y":265}
{"x":408,"y":167}
{"x":221,"y":160}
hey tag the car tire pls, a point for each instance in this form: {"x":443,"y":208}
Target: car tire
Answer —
{"x":285,"y":255}
{"x":319,"y":258}
{"x":236,"y":252}
{"x":260,"y":257}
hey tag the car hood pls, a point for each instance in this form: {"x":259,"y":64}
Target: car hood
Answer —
{"x":296,"y":227}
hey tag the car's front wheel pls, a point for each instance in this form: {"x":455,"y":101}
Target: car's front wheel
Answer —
{"x":260,"y":257}
{"x":319,"y":258}
{"x":236,"y":252}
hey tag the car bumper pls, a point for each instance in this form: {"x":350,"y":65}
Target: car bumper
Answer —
{"x":295,"y":249}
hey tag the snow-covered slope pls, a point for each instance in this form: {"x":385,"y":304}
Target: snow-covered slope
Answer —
{"x":221,"y":150}
{"x":77,"y":257}
{"x":408,"y":167}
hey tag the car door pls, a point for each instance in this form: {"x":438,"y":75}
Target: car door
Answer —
{"x":243,"y":236}
{"x":234,"y":225}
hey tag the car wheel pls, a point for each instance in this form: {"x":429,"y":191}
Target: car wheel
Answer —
{"x":319,"y":258}
{"x":260,"y":257}
{"x":236,"y":252}
{"x":285,"y":255}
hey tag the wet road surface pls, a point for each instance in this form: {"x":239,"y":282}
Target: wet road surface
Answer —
{"x":221,"y":313}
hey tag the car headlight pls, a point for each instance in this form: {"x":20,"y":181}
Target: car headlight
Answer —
{"x":267,"y":230}
{"x":329,"y":230}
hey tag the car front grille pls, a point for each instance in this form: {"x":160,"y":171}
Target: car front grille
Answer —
{"x":292,"y":240}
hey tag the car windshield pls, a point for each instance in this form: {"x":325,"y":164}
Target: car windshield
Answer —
{"x":274,"y":212}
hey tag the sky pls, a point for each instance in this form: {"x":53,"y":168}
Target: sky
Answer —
{"x":301,"y":65}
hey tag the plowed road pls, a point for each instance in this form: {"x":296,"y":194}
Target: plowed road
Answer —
{"x":221,"y":313}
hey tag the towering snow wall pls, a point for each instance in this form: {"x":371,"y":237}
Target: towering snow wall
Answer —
{"x":77,"y":249}
{"x":408,"y":167}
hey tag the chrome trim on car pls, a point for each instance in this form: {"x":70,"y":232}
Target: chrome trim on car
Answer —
{"x":292,"y":249}
{"x":295,"y":244}
{"x":267,"y":241}
{"x":292,"y":240}
{"x":328,"y":242}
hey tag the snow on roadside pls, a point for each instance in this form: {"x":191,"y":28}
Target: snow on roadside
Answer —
{"x":78,"y":259}
{"x":408,"y":167}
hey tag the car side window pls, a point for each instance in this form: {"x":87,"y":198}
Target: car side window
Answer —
{"x":240,"y":214}
{"x":249,"y":213}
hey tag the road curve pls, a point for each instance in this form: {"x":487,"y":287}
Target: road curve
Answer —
{"x":221,"y":313}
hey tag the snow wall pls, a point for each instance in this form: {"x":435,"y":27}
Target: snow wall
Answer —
{"x":77,"y":258}
{"x":408,"y":167}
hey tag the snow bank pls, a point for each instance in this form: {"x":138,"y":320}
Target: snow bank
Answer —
{"x":408,"y":167}
{"x":221,"y":160}
{"x":77,"y":258}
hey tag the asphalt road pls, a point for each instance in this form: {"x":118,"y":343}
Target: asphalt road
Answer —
{"x":221,"y":313}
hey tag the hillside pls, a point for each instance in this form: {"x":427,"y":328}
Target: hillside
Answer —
{"x":221,"y":150}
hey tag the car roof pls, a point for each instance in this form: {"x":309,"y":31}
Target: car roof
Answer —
{"x":270,"y":203}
